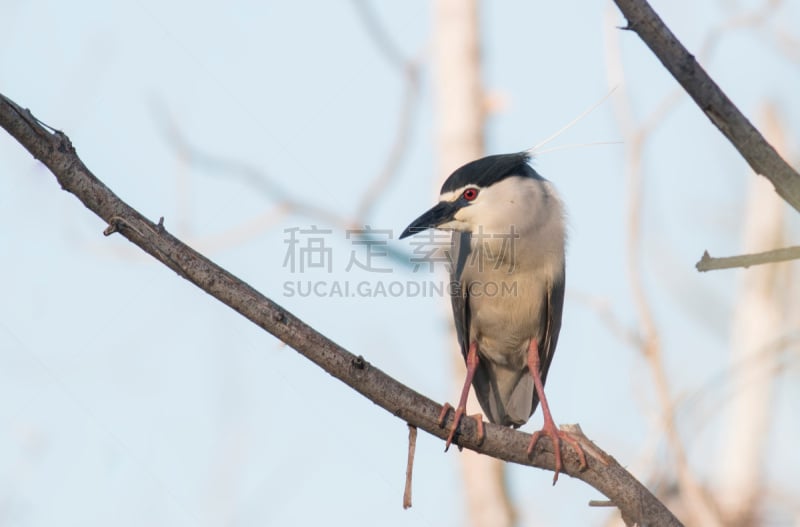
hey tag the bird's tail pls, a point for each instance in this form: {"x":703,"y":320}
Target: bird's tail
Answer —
{"x":507,"y":397}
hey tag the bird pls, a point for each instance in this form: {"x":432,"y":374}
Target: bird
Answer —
{"x":507,"y":270}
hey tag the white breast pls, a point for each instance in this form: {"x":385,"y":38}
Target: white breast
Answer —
{"x":516,"y":253}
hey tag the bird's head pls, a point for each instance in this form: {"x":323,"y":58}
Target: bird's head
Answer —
{"x":489,"y":193}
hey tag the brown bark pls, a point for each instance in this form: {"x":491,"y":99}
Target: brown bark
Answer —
{"x":55,"y":150}
{"x":758,"y":153}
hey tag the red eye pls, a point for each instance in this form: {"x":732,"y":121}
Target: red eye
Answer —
{"x":470,"y":194}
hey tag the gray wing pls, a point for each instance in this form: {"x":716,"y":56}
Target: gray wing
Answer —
{"x":552,"y":327}
{"x":484,"y":383}
{"x":460,"y":249}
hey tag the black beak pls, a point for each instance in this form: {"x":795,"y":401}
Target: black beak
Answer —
{"x":442,"y":212}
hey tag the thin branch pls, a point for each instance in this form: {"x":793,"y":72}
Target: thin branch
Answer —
{"x":710,"y":399}
{"x":710,"y":263}
{"x":55,"y":150}
{"x":399,"y":147}
{"x":250,"y":175}
{"x":755,"y":19}
{"x":699,"y":505}
{"x":377,"y":32}
{"x":285,"y":204}
{"x":605,"y":313}
{"x":257,"y":179}
{"x":410,"y":69}
{"x":758,"y":153}
{"x":412,"y":448}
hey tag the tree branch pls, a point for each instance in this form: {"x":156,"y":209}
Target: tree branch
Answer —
{"x":758,"y":153}
{"x":699,"y":509}
{"x":709,"y":263}
{"x":55,"y":150}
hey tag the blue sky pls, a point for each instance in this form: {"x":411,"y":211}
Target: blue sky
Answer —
{"x":130,"y":397}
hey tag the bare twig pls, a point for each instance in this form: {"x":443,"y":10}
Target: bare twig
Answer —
{"x":604,"y":312}
{"x":699,"y":506}
{"x":761,"y":156}
{"x":750,"y":144}
{"x":412,"y":448}
{"x":285,"y":203}
{"x":57,"y":153}
{"x":601,"y":503}
{"x":710,"y":399}
{"x":410,"y":69}
{"x":252,"y":176}
{"x":755,"y":18}
{"x":398,"y":150}
{"x":759,"y":314}
{"x":709,"y":263}
{"x":387,"y":47}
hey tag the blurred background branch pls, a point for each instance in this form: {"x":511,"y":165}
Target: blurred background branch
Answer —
{"x":759,"y":154}
{"x":284,"y":203}
{"x":329,"y":114}
{"x":636,"y":503}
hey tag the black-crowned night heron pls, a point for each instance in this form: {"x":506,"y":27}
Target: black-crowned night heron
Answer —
{"x":507,"y":287}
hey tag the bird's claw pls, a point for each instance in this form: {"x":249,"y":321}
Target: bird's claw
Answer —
{"x":556,"y":436}
{"x":460,"y":411}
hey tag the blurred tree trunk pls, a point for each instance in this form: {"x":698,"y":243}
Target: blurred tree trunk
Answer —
{"x":757,"y":323}
{"x":459,"y":100}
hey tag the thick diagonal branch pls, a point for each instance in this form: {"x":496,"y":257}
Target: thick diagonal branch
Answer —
{"x":55,"y":150}
{"x":758,"y":153}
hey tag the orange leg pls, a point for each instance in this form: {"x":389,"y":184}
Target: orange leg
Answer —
{"x":472,"y":365}
{"x":549,"y":427}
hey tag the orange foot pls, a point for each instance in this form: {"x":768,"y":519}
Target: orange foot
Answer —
{"x":460,"y":411}
{"x":556,"y":436}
